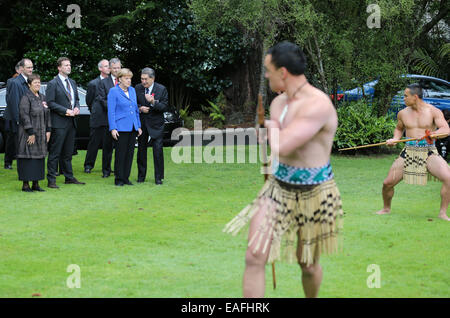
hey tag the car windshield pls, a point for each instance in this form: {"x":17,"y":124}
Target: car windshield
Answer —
{"x":81,"y":94}
{"x":3,"y":97}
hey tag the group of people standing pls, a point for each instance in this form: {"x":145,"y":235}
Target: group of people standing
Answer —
{"x":38,"y":125}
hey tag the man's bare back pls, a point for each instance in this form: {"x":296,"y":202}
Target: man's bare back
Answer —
{"x":308,"y":128}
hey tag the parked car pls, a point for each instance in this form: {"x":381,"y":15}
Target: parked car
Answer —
{"x":172,"y":120}
{"x":436,"y":92}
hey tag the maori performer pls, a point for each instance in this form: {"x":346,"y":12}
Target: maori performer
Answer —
{"x":419,"y":158}
{"x":300,"y":198}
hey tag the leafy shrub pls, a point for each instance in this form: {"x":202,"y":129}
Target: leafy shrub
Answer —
{"x":216,"y":114}
{"x":358,"y":125}
{"x":197,"y":115}
{"x":189,"y":122}
{"x":184,"y":112}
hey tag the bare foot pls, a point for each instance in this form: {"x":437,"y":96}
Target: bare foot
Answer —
{"x":444,"y":217}
{"x":384,"y":211}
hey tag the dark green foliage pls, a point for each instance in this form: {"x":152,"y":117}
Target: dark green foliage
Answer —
{"x":157,"y":34}
{"x":359,"y":125}
{"x":47,"y":37}
{"x":165,"y":37}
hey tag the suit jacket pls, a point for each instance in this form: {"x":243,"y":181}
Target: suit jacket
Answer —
{"x":15,"y":89}
{"x":59,"y":102}
{"x":123,"y":112}
{"x":103,"y":90}
{"x":99,"y":115}
{"x":154,"y":120}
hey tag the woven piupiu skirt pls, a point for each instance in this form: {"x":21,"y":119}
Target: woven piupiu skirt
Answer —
{"x":315,"y":210}
{"x":415,"y":164}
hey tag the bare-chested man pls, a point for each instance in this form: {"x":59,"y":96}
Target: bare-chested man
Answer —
{"x":300,"y":199}
{"x":418,"y":157}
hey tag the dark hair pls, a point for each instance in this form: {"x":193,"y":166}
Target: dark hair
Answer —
{"x":33,"y":77}
{"x":62,"y":59}
{"x":290,"y":56}
{"x":415,"y":89}
{"x":149,"y":71}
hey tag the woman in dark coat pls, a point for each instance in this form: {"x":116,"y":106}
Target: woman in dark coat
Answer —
{"x":33,"y":134}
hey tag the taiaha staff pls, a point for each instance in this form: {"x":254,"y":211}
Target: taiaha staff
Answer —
{"x":427,"y":136}
{"x":260,"y":112}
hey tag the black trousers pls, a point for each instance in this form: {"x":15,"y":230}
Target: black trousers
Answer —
{"x":158,"y":156}
{"x":123,"y":159}
{"x":11,"y":145}
{"x":61,"y":145}
{"x":99,"y":136}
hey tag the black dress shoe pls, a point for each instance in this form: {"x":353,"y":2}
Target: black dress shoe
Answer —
{"x":27,"y":189}
{"x":52,"y":185}
{"x":158,"y":182}
{"x":128,"y":182}
{"x":38,"y":188}
{"x":118,"y":183}
{"x":8,"y":166}
{"x":140,"y":180}
{"x":73,"y":181}
{"x":106,"y":175}
{"x":87,"y":170}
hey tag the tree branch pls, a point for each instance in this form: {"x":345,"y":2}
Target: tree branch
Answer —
{"x":443,"y":12}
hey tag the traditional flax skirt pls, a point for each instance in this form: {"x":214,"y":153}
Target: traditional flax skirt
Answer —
{"x":415,"y":163}
{"x":315,"y":210}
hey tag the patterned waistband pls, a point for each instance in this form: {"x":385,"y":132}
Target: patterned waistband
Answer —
{"x":302,"y":176}
{"x":422,"y":143}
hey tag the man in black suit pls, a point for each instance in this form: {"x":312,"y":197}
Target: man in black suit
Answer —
{"x":153,"y":101}
{"x":15,"y":89}
{"x":63,"y":101}
{"x":103,"y":89}
{"x":98,"y":121}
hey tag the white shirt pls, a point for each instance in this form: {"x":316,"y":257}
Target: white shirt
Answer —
{"x":63,"y":79}
{"x":26,"y":78}
{"x":150,"y":88}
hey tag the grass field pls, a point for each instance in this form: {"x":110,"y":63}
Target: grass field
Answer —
{"x":167,"y":241}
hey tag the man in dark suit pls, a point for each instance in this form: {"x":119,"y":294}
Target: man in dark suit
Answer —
{"x":15,"y":89}
{"x":98,"y":121}
{"x":153,"y":101}
{"x":103,"y":89}
{"x":63,"y":101}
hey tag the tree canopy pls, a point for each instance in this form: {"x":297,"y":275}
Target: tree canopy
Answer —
{"x":200,"y":48}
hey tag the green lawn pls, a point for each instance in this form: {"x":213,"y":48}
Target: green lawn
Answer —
{"x":167,"y":241}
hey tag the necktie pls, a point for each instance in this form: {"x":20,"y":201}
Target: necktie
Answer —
{"x":146,"y":90}
{"x":115,"y":81}
{"x":68,"y":90}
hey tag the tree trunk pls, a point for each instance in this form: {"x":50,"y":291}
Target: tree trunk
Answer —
{"x":242,"y":95}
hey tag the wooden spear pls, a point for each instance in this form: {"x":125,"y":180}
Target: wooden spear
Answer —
{"x":436,"y":136}
{"x":263,"y":152}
